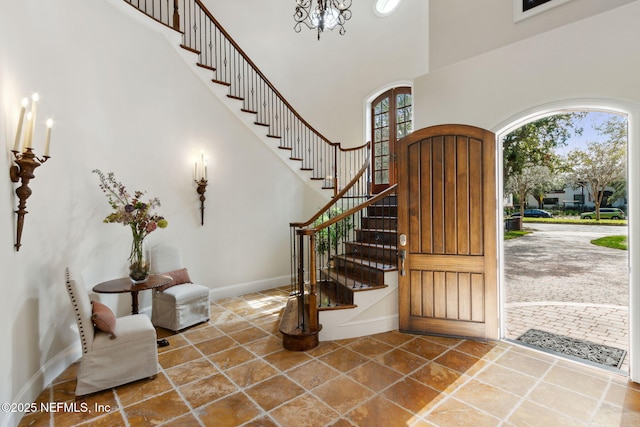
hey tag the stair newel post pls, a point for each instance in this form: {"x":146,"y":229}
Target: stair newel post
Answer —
{"x":300,"y":293}
{"x":335,"y":170}
{"x":313,"y":304}
{"x":176,"y":16}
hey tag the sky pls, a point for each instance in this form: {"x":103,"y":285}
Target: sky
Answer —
{"x":588,"y":123}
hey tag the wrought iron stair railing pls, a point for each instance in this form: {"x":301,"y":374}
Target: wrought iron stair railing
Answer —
{"x":230,"y":66}
{"x":346,"y":247}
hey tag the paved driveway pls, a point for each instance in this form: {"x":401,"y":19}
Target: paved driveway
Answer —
{"x":556,"y":280}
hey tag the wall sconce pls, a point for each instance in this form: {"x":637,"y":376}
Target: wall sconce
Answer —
{"x":26,"y":161}
{"x":200,"y":177}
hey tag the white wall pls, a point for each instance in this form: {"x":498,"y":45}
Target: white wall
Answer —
{"x":327,"y":80}
{"x":464,"y":29}
{"x":592,"y":63}
{"x":122,"y":101}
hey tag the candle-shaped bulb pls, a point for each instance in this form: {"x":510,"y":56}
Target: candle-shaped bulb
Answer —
{"x":27,"y":132}
{"x":202,"y":165}
{"x":23,"y":109}
{"x":48,"y":137}
{"x":34,"y":106}
{"x":205,"y":169}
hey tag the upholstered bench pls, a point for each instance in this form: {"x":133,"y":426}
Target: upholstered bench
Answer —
{"x":180,"y":303}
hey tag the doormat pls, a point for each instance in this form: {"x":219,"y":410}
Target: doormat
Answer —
{"x":578,"y":349}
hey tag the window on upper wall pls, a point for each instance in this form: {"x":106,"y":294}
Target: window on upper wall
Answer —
{"x":391,"y":119}
{"x":385,"y":7}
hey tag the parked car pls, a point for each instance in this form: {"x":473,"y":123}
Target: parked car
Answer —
{"x":533,"y":213}
{"x":605,"y":213}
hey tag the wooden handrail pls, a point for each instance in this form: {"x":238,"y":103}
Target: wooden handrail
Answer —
{"x":352,"y":211}
{"x":339,"y":195}
{"x":257,"y":70}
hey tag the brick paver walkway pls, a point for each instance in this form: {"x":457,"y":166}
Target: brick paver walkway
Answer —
{"x":557,"y":281}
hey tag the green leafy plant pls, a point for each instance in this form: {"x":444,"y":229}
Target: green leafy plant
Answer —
{"x":332,"y":235}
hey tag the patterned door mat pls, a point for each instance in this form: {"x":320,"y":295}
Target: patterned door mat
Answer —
{"x":574,"y":348}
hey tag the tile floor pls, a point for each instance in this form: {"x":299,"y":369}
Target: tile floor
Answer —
{"x":233,"y":371}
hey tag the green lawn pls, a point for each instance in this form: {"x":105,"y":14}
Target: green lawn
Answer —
{"x":514,"y":234}
{"x":615,"y":242}
{"x":576,"y":221}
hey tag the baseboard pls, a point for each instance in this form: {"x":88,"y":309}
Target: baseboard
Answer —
{"x":359,"y":328}
{"x":41,"y":379}
{"x":246,"y":288}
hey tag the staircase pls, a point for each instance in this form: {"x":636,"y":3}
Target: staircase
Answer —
{"x":364,"y":278}
{"x":365,"y":261}
{"x":220,"y":62}
{"x":366,"y":258}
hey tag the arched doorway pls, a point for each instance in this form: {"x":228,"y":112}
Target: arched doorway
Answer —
{"x":632,"y":112}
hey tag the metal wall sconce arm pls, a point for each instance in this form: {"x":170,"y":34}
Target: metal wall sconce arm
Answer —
{"x":202,"y":187}
{"x":200,"y":177}
{"x":26,"y":161}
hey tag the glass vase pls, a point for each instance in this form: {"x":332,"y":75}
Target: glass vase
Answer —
{"x":139,"y":264}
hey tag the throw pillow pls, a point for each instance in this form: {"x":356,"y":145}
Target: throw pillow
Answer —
{"x":178,"y":277}
{"x":103,"y":318}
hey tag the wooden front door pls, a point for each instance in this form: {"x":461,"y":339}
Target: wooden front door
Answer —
{"x":447,"y":213}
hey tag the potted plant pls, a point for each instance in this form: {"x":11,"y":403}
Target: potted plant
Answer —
{"x":330,"y":237}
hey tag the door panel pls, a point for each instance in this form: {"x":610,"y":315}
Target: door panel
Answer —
{"x":447,"y":210}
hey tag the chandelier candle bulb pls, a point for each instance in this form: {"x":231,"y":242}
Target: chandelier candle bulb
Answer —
{"x":23,"y":109}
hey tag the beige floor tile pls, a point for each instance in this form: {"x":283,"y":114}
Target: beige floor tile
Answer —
{"x":401,"y":361}
{"x":584,"y":383}
{"x":155,"y":410}
{"x":563,"y":401}
{"x":375,"y":376}
{"x":461,"y":362}
{"x":487,"y":398}
{"x":453,"y":413}
{"x":370,"y":347}
{"x":274,"y":392}
{"x":191,"y":371}
{"x":344,"y":359}
{"x":250,"y":373}
{"x":380,"y":412}
{"x":207,"y":390}
{"x":507,"y":379}
{"x":342,"y":394}
{"x":530,"y":414}
{"x":440,"y":377}
{"x":315,"y":412}
{"x":412,"y":395}
{"x":231,"y":411}
{"x":286,"y":360}
{"x":313,"y":374}
{"x":233,"y":371}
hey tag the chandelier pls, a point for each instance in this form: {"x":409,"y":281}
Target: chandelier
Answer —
{"x":326,"y":15}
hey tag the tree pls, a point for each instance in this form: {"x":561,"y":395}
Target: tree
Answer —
{"x":601,"y":164}
{"x":533,"y":144}
{"x":533,"y":179}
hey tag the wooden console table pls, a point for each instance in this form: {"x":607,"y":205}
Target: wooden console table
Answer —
{"x":122,"y":285}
